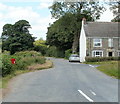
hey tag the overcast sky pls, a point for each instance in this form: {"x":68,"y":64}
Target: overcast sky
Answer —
{"x":37,"y":13}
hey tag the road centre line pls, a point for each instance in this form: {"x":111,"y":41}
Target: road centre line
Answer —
{"x":92,"y":92}
{"x":88,"y":98}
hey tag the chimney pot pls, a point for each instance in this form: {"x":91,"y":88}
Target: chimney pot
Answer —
{"x":84,"y":20}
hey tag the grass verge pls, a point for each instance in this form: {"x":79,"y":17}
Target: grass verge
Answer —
{"x":111,"y":68}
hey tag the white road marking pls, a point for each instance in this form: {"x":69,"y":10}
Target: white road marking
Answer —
{"x":92,"y":92}
{"x":91,"y":66}
{"x":85,"y":96}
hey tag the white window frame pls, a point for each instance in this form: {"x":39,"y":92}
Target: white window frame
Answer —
{"x":119,"y":42}
{"x":110,"y":42}
{"x":118,"y":53}
{"x":95,"y":52}
{"x":97,"y":42}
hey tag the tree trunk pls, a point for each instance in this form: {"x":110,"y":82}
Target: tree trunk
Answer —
{"x":75,"y":43}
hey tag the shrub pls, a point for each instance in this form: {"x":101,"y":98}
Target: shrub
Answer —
{"x":54,"y":52}
{"x":23,"y":59}
{"x":41,"y":49}
{"x":98,"y":59}
{"x":27,"y":53}
{"x":30,"y":60}
{"x":51,"y":51}
{"x":7,"y":67}
{"x":68,"y":53}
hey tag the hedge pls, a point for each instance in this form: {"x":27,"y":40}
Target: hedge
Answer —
{"x":28,"y":53}
{"x":23,"y":59}
{"x":68,"y":53}
{"x":98,"y":59}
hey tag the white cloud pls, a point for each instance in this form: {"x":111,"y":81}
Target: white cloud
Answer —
{"x":39,"y":24}
{"x":107,"y":16}
{"x":45,"y":5}
{"x":27,"y":1}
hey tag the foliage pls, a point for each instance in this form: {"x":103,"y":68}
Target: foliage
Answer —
{"x":7,"y":67}
{"x":59,"y":9}
{"x":53,"y":51}
{"x":40,"y":46}
{"x":17,"y":37}
{"x":115,"y":8}
{"x":23,"y":59}
{"x":0,"y":44}
{"x":27,"y":53}
{"x":116,"y":19}
{"x":61,"y":32}
{"x":64,"y":33}
{"x":68,"y":53}
{"x":98,"y":59}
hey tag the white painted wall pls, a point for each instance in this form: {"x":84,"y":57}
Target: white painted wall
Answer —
{"x":82,"y":42}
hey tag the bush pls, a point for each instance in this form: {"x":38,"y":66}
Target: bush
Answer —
{"x":41,"y":49}
{"x":54,"y":52}
{"x":23,"y":59}
{"x":68,"y":53}
{"x":7,"y":67}
{"x":28,"y":53}
{"x":51,"y":51}
{"x":30,"y":60}
{"x":98,"y":59}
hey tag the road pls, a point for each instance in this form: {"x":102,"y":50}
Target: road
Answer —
{"x":65,"y":82}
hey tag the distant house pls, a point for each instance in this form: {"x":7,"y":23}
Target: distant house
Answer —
{"x":99,"y":39}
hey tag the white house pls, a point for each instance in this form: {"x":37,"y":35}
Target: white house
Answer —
{"x":99,"y":39}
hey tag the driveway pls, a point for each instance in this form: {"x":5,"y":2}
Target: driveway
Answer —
{"x":65,"y":82}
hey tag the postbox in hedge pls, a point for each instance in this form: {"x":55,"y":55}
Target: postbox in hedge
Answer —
{"x":13,"y":61}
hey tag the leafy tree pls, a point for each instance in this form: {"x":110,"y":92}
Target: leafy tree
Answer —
{"x":115,"y":8}
{"x":17,"y":37}
{"x":89,"y":10}
{"x":60,"y":34}
{"x":40,"y":46}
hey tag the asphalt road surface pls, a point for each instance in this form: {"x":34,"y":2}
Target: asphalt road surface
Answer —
{"x":65,"y":82}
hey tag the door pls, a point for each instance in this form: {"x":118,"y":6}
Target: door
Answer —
{"x":110,"y":54}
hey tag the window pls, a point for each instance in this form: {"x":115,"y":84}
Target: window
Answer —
{"x":97,"y":42}
{"x":97,"y":53}
{"x":118,"y":53}
{"x":119,"y":42}
{"x":110,"y":42}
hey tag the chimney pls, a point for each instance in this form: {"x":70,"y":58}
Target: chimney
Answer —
{"x":83,"y":21}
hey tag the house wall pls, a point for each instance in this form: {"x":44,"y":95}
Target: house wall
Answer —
{"x":82,"y":44}
{"x":104,"y":47}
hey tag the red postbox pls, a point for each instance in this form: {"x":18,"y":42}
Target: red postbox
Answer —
{"x":13,"y":61}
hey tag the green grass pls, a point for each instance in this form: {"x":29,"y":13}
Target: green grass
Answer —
{"x":111,"y":68}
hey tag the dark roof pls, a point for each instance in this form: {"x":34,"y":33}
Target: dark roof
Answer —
{"x":101,"y":29}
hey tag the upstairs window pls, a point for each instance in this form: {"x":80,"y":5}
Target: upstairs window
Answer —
{"x":97,"y":42}
{"x":110,"y":42}
{"x":119,"y":42}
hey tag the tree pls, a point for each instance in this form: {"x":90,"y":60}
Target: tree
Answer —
{"x":40,"y":46}
{"x":89,"y":10}
{"x":17,"y":37}
{"x":115,"y":8}
{"x":60,"y":34}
